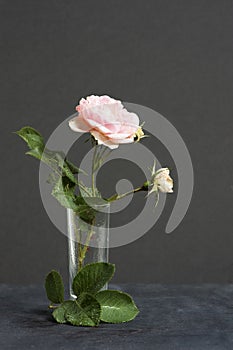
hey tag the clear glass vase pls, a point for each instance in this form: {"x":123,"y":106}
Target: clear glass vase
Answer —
{"x":87,"y":243}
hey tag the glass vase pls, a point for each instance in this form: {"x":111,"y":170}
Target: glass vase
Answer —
{"x":87,"y":243}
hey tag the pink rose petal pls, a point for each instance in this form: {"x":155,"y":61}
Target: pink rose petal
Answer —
{"x":106,"y":119}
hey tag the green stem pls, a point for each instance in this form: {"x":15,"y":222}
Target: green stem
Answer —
{"x":84,"y":250}
{"x":93,"y":174}
{"x":96,"y":157}
{"x":101,"y":153}
{"x":93,"y":184}
{"x":116,"y":196}
{"x":83,"y":188}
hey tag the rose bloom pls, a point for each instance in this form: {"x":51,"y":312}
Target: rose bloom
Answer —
{"x":162,"y":181}
{"x":107,"y":120}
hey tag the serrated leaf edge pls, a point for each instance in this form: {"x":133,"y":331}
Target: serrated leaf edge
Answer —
{"x":87,"y":265}
{"x":131,"y":299}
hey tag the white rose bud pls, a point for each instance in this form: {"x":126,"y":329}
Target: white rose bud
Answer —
{"x":162,"y":181}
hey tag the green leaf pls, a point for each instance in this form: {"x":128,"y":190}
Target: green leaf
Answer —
{"x":116,"y":306}
{"x":36,"y":153}
{"x":59,"y":159}
{"x":54,"y":159}
{"x":84,"y":211}
{"x":74,"y":168}
{"x":59,"y":312}
{"x":31,"y":136}
{"x":52,"y":179}
{"x":34,"y":141}
{"x":88,"y":192}
{"x":54,"y":287}
{"x":92,"y":277}
{"x":84,"y":312}
{"x":63,"y":173}
{"x":63,"y":191}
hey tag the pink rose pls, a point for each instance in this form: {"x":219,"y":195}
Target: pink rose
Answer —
{"x":107,"y":120}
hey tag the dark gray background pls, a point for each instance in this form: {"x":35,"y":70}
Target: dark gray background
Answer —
{"x":172,"y":56}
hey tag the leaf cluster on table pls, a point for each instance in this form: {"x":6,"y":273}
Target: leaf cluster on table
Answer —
{"x":92,"y":304}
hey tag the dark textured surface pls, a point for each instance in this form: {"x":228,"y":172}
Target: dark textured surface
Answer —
{"x":184,"y":317}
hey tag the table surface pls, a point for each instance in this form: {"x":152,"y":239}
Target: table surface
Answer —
{"x":171,"y":317}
